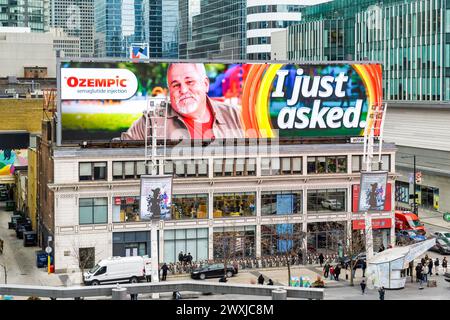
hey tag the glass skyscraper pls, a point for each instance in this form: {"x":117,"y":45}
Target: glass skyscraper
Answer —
{"x":187,"y":9}
{"x":218,"y":31}
{"x":25,"y":13}
{"x":118,"y":24}
{"x":410,"y":38}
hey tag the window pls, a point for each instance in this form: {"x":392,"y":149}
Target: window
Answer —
{"x":234,"y":167}
{"x":333,"y":164}
{"x":190,"y":206}
{"x":234,"y":204}
{"x":93,"y":210}
{"x":327,"y":200}
{"x":193,"y":241}
{"x":126,"y":209}
{"x":92,"y":171}
{"x":385,"y":165}
{"x":238,"y":242}
{"x":281,"y":202}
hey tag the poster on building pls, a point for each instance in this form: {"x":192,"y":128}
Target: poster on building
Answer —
{"x":104,"y":101}
{"x":156,"y":197}
{"x":12,"y":159}
{"x":139,"y":51}
{"x":372,"y":194}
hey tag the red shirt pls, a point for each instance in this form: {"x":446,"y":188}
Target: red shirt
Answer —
{"x":199,"y":130}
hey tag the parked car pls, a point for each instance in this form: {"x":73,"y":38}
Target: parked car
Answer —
{"x":117,"y":269}
{"x":442,"y":246}
{"x":442,"y":235}
{"x":408,"y":236}
{"x":213,"y":271}
{"x":331,"y":204}
{"x":406,"y":220}
{"x":359,"y":258}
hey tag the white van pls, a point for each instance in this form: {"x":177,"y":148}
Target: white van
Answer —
{"x":118,"y":269}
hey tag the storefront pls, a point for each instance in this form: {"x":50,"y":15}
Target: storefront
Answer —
{"x":193,"y":241}
{"x":281,"y":238}
{"x":126,"y":209}
{"x":127,"y":244}
{"x":324,"y":237}
{"x":234,"y":242}
{"x":381,"y":231}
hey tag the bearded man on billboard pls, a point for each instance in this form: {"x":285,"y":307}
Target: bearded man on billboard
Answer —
{"x":191,"y":113}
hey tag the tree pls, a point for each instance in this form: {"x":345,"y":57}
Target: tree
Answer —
{"x":226,"y":245}
{"x":85,"y":255}
{"x":288,"y":244}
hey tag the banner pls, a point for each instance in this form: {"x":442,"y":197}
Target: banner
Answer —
{"x":372,"y":195}
{"x":156,"y":197}
{"x":101,"y":101}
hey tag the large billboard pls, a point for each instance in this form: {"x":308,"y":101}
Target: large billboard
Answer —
{"x":101,"y":101}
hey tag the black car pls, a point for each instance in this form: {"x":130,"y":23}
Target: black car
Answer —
{"x":442,"y":246}
{"x":212,"y":271}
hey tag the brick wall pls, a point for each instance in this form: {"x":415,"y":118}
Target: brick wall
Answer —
{"x":21,"y":114}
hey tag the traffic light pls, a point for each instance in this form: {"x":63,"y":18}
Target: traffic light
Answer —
{"x":418,"y":177}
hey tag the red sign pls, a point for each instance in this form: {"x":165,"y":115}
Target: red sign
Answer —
{"x":376,"y":224}
{"x":129,"y":200}
{"x":355,"y":197}
{"x":117,"y":201}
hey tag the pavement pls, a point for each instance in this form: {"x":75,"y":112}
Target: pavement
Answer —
{"x":434,"y":218}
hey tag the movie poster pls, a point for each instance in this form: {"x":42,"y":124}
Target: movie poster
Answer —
{"x":156,"y":197}
{"x":372,"y":195}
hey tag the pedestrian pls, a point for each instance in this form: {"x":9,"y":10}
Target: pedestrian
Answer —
{"x":409,"y":271}
{"x":444,"y":265}
{"x":223,"y":279}
{"x":261,"y":279}
{"x":270,"y":283}
{"x":363,"y":286}
{"x":436,"y":266}
{"x":300,"y":256}
{"x":337,"y":272}
{"x":326,"y":270}
{"x":176,"y":295}
{"x":430,"y":267}
{"x":321,"y":259}
{"x":180,"y":257}
{"x":422,"y":261}
{"x":381,"y":291}
{"x":332,"y":273}
{"x":419,"y":272}
{"x":364,"y":266}
{"x":164,"y":269}
{"x":189,"y":258}
{"x":133,"y":296}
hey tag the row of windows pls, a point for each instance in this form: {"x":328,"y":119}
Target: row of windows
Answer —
{"x":196,"y":206}
{"x":235,"y":167}
{"x":269,"y":24}
{"x":273,"y":8}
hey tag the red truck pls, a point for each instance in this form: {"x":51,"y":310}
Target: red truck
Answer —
{"x":406,"y":220}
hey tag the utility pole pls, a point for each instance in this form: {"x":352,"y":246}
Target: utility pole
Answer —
{"x":6,"y":275}
{"x":416,"y":212}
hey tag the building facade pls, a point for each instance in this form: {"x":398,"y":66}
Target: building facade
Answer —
{"x":246,"y":196}
{"x":76,"y":18}
{"x":25,"y":13}
{"x":218,"y":31}
{"x":410,"y":39}
{"x":187,"y":10}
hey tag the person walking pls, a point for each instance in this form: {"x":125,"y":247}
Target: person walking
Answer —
{"x":261,"y":279}
{"x":381,"y":292}
{"x":363,"y":286}
{"x":321,"y":258}
{"x":436,"y":266}
{"x":444,"y":265}
{"x":164,"y":269}
{"x":332,"y":273}
{"x":419,"y":272}
{"x":326,"y":270}
{"x":430,"y":267}
{"x":180,"y":257}
{"x":337,"y":272}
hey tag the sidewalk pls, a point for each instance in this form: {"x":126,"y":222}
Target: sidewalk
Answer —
{"x":433,"y":218}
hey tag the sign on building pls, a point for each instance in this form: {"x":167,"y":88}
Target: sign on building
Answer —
{"x":156,"y":197}
{"x":372,"y":193}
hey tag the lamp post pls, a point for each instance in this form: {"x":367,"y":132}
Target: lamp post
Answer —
{"x":415,"y":209}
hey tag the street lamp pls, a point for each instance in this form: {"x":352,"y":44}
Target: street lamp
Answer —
{"x":415,"y":209}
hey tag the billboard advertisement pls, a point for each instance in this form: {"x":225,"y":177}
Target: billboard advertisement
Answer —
{"x":101,"y":101}
{"x":156,"y":197}
{"x":372,"y":194}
